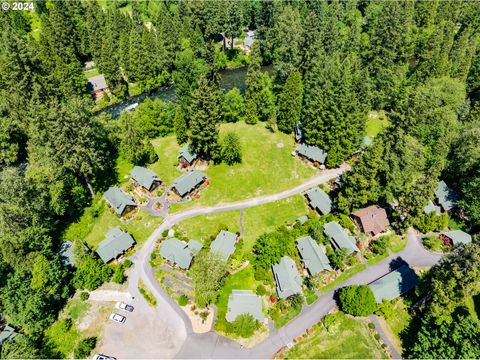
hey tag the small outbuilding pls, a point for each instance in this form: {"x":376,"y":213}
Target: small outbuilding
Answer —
{"x":312,"y":255}
{"x":249,"y":39}
{"x":145,"y":178}
{"x":447,"y":198}
{"x":244,"y":302}
{"x":457,"y":237}
{"x":188,"y":182}
{"x":339,"y":238}
{"x":120,"y":201}
{"x":312,"y":153}
{"x":7,"y":333}
{"x":185,"y":156}
{"x":302,"y":219}
{"x":394,"y":284}
{"x":97,"y":86}
{"x":66,"y":253}
{"x":319,"y":200}
{"x":372,"y":220}
{"x":179,"y":252}
{"x":116,"y":243}
{"x":224,"y":244}
{"x":432,"y":208}
{"x":298,"y":133}
{"x":287,"y":278}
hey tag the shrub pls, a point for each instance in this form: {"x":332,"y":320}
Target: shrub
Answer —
{"x":127,"y":263}
{"x":231,"y":149}
{"x":182,"y":300}
{"x":91,"y":273}
{"x":371,"y":326}
{"x":380,"y":245}
{"x":118,"y":275}
{"x":296,"y":301}
{"x":377,"y":337}
{"x":357,"y":300}
{"x":385,"y":309}
{"x":85,"y":347}
{"x":244,"y":326}
{"x":165,"y":233}
{"x":261,"y":290}
{"x":338,"y":258}
{"x":84,"y":295}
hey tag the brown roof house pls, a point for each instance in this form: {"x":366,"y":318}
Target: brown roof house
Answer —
{"x":373,"y":219}
{"x":97,"y":85}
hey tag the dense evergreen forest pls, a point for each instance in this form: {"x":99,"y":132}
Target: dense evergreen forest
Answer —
{"x":334,"y":62}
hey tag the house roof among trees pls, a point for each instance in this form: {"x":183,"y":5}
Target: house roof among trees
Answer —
{"x":66,"y":253}
{"x":458,"y":237}
{"x":302,"y":219}
{"x":8,"y":333}
{"x":394,"y":284}
{"x":313,"y":153}
{"x":224,"y":244}
{"x":373,"y":219}
{"x":244,"y":302}
{"x":312,"y":255}
{"x":115,"y":244}
{"x":287,"y":278}
{"x":97,"y":83}
{"x":447,"y":198}
{"x":188,"y":155}
{"x":144,"y":177}
{"x":194,"y":246}
{"x":187,"y":182}
{"x":177,"y":252}
{"x":319,"y":200}
{"x":339,"y":238}
{"x":431,"y":207}
{"x":249,"y":38}
{"x":118,"y":199}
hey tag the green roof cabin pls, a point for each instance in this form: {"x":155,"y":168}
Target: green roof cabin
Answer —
{"x":188,"y":182}
{"x":7,"y":333}
{"x":312,"y":153}
{"x":121,"y":202}
{"x":145,"y":178}
{"x":447,"y":198}
{"x":431,"y":207}
{"x":66,"y":253}
{"x":457,"y":237}
{"x":287,"y":278}
{"x":116,"y":243}
{"x":319,"y":200}
{"x":179,"y":252}
{"x":394,"y":284}
{"x":185,"y":156}
{"x":302,"y":219}
{"x":339,"y":238}
{"x":244,"y":302}
{"x":224,"y":244}
{"x":313,"y":257}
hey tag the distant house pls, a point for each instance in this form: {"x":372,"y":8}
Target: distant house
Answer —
{"x":145,"y":178}
{"x":97,"y":86}
{"x":298,"y":133}
{"x":339,"y":238}
{"x":244,"y":302}
{"x":116,"y":243}
{"x":312,"y":255}
{"x":120,"y":202}
{"x":188,"y":182}
{"x":7,"y":333}
{"x":249,"y":39}
{"x":394,"y":284}
{"x":431,"y":207}
{"x":302,"y":219}
{"x":366,"y":142}
{"x":447,"y":198}
{"x":185,"y":156}
{"x":179,"y":252}
{"x":224,"y":244}
{"x":312,"y":153}
{"x":287,"y":278}
{"x":66,"y":253}
{"x":457,"y":237}
{"x":373,"y":219}
{"x":319,"y":200}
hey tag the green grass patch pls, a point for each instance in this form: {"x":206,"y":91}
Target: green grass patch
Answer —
{"x":283,"y":318}
{"x":78,"y":308}
{"x":400,"y":321}
{"x":396,"y":242}
{"x":201,"y":227}
{"x":310,"y":296}
{"x":434,"y":243}
{"x":349,"y":339}
{"x":343,"y":276}
{"x":148,"y":296}
{"x":377,"y":258}
{"x":376,"y":122}
{"x":472,"y":303}
{"x":91,"y":73}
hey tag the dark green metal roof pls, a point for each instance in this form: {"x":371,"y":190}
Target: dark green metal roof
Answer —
{"x":447,"y":198}
{"x":319,"y":200}
{"x":394,"y":284}
{"x":115,"y":244}
{"x":144,"y":177}
{"x":224,"y":244}
{"x":187,"y":182}
{"x":177,"y":251}
{"x":188,"y":155}
{"x":244,"y":302}
{"x":339,"y":238}
{"x":287,"y":278}
{"x":458,"y":237}
{"x":118,"y":200}
{"x":312,"y":256}
{"x":312,"y":153}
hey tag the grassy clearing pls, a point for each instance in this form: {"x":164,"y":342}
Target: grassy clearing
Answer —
{"x":397,"y":243}
{"x":142,"y":289}
{"x":78,"y":308}
{"x":472,"y":303}
{"x":343,"y":276}
{"x":167,"y":151}
{"x":281,"y":319}
{"x":376,"y":122}
{"x":91,"y":73}
{"x":201,"y":227}
{"x":62,"y":337}
{"x":400,"y":320}
{"x":349,"y":339}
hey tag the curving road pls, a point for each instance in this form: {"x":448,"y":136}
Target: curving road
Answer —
{"x":212,"y":345}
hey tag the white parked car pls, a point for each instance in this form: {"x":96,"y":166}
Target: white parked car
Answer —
{"x":117,"y":317}
{"x":103,"y":357}
{"x":123,"y":306}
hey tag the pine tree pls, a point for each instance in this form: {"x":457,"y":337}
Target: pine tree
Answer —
{"x":180,"y":126}
{"x":232,"y":106}
{"x":205,"y":114}
{"x":231,"y":149}
{"x":290,"y":103}
{"x":233,"y":20}
{"x":253,"y":83}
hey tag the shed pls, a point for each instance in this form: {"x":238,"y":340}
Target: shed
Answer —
{"x":224,"y":244}
{"x":188,"y":182}
{"x":298,"y":133}
{"x":458,"y":237}
{"x":185,"y":156}
{"x":144,"y":177}
{"x":312,"y":153}
{"x":312,"y":255}
{"x":302,"y":219}
{"x":394,"y":284}
{"x":339,"y":238}
{"x":8,"y":333}
{"x":287,"y":278}
{"x":373,"y":219}
{"x":319,"y":200}
{"x":447,"y":198}
{"x":178,"y":252}
{"x":244,"y":302}
{"x":116,"y":243}
{"x":249,"y":39}
{"x":431,"y":207}
{"x":119,"y":201}
{"x":66,"y":253}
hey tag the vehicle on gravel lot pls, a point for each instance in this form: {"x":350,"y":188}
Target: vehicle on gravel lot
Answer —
{"x":103,"y":357}
{"x":117,"y":317}
{"x":123,"y":306}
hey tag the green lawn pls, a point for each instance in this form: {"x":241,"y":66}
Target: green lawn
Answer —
{"x":377,"y":123}
{"x":281,"y":319}
{"x":91,"y":73}
{"x":266,"y":168}
{"x":472,"y":303}
{"x":201,"y":227}
{"x":397,"y":243}
{"x":349,"y":339}
{"x":400,"y":320}
{"x":343,"y":276}
{"x":78,"y":308}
